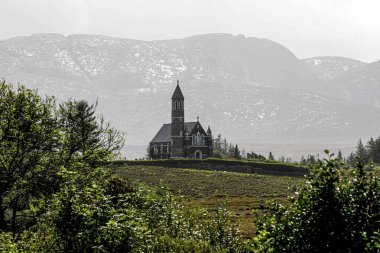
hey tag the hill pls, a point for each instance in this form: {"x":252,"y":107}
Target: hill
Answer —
{"x":240,"y":192}
{"x":328,"y":68}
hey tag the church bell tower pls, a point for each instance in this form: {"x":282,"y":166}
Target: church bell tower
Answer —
{"x":178,"y":123}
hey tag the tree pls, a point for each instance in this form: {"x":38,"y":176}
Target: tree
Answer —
{"x":28,"y":144}
{"x":361,"y":152}
{"x":373,"y":150}
{"x":36,"y":139}
{"x":332,"y":212}
{"x":351,"y":159}
{"x":225,"y":146}
{"x":302,"y":160}
{"x":311,"y":159}
{"x":218,"y":142}
{"x":237,"y":154}
{"x":86,"y":137}
{"x":340,"y":156}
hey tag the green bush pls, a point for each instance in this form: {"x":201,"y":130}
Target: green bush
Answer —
{"x":335,"y":211}
{"x":97,"y":212}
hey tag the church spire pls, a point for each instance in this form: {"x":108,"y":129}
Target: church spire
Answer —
{"x":178,"y":123}
{"x":177,"y":92}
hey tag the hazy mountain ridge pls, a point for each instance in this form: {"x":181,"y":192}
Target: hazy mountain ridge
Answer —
{"x":251,"y":90}
{"x":329,"y":67}
{"x":360,"y":85}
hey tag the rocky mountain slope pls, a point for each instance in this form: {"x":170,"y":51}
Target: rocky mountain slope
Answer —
{"x":328,"y":68}
{"x":253,"y":91}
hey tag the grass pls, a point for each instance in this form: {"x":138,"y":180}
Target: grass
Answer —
{"x":241,"y":193}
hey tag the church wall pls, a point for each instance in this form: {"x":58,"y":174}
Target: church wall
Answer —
{"x":163,"y":150}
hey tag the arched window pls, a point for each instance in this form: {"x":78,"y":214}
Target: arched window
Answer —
{"x":202,"y":140}
{"x":199,"y":140}
{"x":155,"y":149}
{"x":193,"y":141}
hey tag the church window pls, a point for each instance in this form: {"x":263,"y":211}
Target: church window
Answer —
{"x":162,"y":148}
{"x":193,"y":141}
{"x":167,"y":148}
{"x":199,"y":140}
{"x":202,"y":140}
{"x":155,"y":149}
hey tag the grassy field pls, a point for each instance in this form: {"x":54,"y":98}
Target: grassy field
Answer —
{"x":242,"y":193}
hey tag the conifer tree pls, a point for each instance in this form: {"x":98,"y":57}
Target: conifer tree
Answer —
{"x":340,"y":156}
{"x":87,"y":138}
{"x":361,"y":152}
{"x":237,"y":154}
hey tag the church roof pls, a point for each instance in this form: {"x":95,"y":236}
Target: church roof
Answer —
{"x":165,"y":133}
{"x":177,"y":92}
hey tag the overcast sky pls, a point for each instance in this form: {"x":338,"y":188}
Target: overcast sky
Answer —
{"x":349,"y":28}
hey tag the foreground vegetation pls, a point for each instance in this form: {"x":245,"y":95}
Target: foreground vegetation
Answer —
{"x":201,"y":184}
{"x":335,"y":211}
{"x":238,"y":192}
{"x":55,"y":195}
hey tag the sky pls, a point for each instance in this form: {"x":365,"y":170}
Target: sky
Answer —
{"x":348,"y":28}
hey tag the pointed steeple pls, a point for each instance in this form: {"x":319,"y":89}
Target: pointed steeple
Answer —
{"x":209,"y":131}
{"x":177,"y":92}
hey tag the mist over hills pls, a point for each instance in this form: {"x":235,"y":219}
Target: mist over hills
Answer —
{"x":254,"y":91}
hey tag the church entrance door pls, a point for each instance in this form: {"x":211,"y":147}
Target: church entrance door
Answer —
{"x":198,"y":154}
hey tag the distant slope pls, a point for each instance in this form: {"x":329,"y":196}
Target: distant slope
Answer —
{"x":329,"y":67}
{"x":124,"y":64}
{"x":360,"y":85}
{"x":249,"y":89}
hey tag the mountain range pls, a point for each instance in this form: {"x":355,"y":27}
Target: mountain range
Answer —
{"x":253,"y":91}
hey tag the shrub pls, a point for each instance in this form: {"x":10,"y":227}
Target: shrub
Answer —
{"x":97,"y":212}
{"x":335,"y":211}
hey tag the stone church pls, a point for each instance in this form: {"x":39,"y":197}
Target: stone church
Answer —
{"x":180,"y":138}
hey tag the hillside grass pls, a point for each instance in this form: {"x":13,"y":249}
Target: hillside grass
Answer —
{"x":177,"y":162}
{"x":241,"y":193}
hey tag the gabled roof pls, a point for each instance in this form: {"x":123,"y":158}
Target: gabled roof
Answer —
{"x":190,"y":126}
{"x":177,"y":92}
{"x":165,"y":133}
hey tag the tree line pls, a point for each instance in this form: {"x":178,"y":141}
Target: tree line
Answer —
{"x":369,"y":153}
